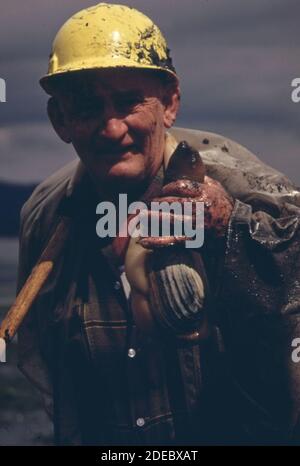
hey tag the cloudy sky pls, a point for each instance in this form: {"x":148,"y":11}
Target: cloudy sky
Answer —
{"x":236,"y":60}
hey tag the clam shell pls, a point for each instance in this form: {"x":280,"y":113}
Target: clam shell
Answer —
{"x":178,"y":289}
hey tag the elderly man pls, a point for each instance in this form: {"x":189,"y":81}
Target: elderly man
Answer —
{"x":114,"y":97}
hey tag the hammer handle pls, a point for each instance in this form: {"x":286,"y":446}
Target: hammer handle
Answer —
{"x":35,"y":281}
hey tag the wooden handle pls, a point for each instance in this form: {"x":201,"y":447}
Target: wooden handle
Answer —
{"x":34,"y":282}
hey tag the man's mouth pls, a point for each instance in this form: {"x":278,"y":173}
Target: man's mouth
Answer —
{"x":118,"y":152}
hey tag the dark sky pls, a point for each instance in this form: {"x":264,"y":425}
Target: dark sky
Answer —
{"x":236,"y":60}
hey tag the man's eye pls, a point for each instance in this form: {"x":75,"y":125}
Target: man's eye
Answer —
{"x":128,"y":102}
{"x":87,"y":109}
{"x":87,"y":112}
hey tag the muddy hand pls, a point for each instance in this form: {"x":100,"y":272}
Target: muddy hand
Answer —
{"x":186,"y":183}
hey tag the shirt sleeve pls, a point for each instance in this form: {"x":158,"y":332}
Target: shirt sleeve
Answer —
{"x":40,"y":355}
{"x":30,"y":360}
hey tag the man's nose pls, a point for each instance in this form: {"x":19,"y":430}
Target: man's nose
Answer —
{"x":113,"y":125}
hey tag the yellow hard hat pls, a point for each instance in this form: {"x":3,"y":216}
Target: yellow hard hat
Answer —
{"x":107,"y":36}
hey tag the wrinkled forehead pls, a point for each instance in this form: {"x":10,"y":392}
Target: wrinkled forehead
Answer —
{"x":111,"y":81}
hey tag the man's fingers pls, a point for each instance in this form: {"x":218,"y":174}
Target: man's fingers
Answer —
{"x":152,"y":242}
{"x":170,"y":199}
{"x":177,"y":211}
{"x":182,"y":188}
{"x":167,"y":216}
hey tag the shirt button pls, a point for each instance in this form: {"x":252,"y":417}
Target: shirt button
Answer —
{"x":140,"y":422}
{"x":131,"y":353}
{"x":117,"y":286}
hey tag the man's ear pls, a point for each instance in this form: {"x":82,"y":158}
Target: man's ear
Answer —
{"x":171,"y":101}
{"x":57,"y":119}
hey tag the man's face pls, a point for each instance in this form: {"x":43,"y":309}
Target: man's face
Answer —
{"x":116,"y":123}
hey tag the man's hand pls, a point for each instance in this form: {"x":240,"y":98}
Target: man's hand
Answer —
{"x":218,"y":206}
